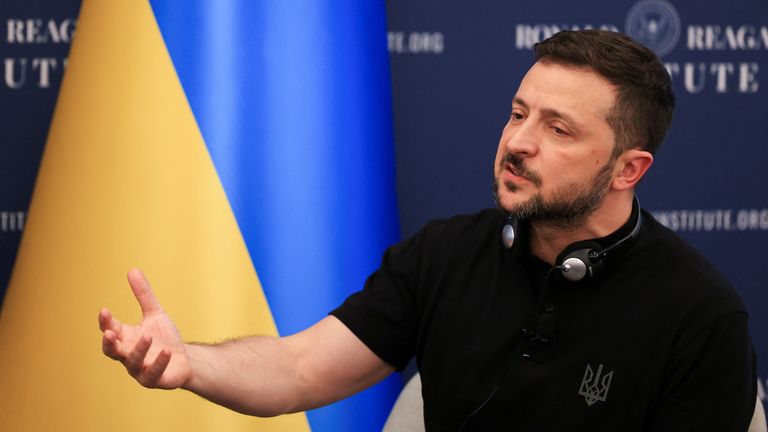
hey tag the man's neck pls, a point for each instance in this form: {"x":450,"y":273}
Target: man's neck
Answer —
{"x":547,"y":240}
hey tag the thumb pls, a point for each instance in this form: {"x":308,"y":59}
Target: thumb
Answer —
{"x":143,"y":292}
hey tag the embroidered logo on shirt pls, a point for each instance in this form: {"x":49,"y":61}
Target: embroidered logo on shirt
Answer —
{"x":594,"y":386}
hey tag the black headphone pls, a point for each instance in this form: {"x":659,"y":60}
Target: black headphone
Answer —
{"x":580,"y":261}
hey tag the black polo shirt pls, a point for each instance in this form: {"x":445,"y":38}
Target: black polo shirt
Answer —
{"x":657,"y":341}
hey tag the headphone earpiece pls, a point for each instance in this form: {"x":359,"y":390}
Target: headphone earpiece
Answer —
{"x":581,"y":264}
{"x":508,"y":232}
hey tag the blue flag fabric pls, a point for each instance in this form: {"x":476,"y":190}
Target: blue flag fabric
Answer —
{"x":293,"y":100}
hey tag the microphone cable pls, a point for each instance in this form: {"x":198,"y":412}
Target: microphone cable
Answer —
{"x":525,"y":331}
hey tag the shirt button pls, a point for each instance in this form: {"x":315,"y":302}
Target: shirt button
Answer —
{"x":549,"y":307}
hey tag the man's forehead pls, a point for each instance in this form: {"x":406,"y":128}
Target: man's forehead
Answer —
{"x":566,"y":89}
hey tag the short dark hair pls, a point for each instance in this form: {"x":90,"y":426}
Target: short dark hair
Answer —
{"x":642,"y":114}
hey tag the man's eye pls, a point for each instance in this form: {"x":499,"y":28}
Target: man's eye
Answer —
{"x":558,"y":131}
{"x":516,"y":116}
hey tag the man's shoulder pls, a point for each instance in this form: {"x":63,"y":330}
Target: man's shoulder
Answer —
{"x":682,"y":271}
{"x":676,"y":255}
{"x":482,"y":220}
{"x":458,"y":235}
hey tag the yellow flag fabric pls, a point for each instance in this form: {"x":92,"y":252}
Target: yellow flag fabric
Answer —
{"x":125,"y":181}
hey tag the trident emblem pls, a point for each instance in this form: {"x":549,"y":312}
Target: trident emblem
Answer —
{"x":594,"y":387}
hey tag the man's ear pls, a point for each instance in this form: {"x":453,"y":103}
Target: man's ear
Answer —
{"x":630,"y":168}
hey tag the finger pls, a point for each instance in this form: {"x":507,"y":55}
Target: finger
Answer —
{"x":134,"y":361}
{"x":108,"y":322}
{"x":155,"y":370}
{"x":143,"y":292}
{"x":111,"y":346}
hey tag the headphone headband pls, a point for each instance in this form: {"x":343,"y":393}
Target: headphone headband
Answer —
{"x":582,"y":260}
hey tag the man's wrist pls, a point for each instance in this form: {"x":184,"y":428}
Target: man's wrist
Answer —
{"x":195,"y":354}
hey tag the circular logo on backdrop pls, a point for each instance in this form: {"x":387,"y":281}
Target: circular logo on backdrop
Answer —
{"x":655,"y":24}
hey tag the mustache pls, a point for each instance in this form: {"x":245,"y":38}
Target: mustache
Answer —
{"x":520,"y":169}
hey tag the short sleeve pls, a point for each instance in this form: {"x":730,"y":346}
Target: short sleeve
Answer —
{"x":383,"y":314}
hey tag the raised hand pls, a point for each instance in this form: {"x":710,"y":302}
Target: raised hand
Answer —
{"x":152,"y":351}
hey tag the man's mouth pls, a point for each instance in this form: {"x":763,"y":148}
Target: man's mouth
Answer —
{"x":514,"y":166}
{"x":516,"y":172}
{"x":511,"y":168}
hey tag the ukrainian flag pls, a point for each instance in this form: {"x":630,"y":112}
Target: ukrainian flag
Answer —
{"x":240,"y":153}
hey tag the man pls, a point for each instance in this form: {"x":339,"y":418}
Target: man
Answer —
{"x":568,"y":309}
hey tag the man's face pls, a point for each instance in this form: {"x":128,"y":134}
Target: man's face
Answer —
{"x":554,"y":158}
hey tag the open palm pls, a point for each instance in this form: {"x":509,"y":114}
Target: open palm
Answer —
{"x":152,"y":351}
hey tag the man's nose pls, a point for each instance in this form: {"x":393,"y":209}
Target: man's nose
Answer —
{"x":523,"y":139}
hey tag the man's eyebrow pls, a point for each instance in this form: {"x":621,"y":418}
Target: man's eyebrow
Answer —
{"x":549,"y":112}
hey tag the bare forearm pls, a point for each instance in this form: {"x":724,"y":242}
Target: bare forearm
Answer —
{"x":267,"y":376}
{"x":256,"y":375}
